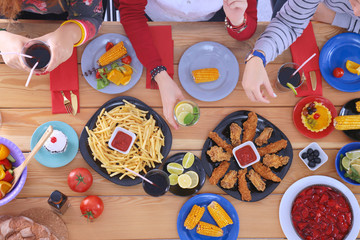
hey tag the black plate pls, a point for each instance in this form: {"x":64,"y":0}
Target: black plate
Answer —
{"x":350,"y":109}
{"x":196,"y":167}
{"x":223,"y":129}
{"x":87,"y":153}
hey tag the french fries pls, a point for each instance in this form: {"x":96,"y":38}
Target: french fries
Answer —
{"x":146,"y":149}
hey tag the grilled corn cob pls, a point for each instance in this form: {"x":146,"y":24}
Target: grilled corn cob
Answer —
{"x":218,"y":213}
{"x":208,"y":229}
{"x":349,"y":122}
{"x":205,"y":75}
{"x":194,"y":217}
{"x":113,"y":54}
{"x":357,"y":104}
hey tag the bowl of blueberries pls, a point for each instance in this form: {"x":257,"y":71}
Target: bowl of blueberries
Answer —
{"x":313,"y":156}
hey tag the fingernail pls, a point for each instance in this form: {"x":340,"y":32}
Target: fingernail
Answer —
{"x":275,"y":95}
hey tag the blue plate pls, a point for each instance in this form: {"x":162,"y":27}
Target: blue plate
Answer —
{"x":231,"y":232}
{"x":335,"y":53}
{"x":93,"y":52}
{"x":55,"y":160}
{"x":209,"y":55}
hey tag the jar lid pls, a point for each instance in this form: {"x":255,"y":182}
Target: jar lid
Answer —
{"x":56,"y":196}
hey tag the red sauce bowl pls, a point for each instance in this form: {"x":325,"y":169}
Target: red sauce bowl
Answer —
{"x":246,"y":154}
{"x":321,"y":212}
{"x":122,"y":140}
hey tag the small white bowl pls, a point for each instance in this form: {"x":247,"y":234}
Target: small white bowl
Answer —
{"x":322,"y":155}
{"x":120,"y":129}
{"x":251,"y":144}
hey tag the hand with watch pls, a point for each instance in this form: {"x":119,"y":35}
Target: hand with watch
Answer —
{"x":235,"y":14}
{"x":255,"y":77}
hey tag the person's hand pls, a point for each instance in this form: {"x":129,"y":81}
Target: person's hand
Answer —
{"x":170,"y":94}
{"x":13,"y":43}
{"x":254,"y":78}
{"x":324,"y":14}
{"x":61,"y":43}
{"x":234,"y":10}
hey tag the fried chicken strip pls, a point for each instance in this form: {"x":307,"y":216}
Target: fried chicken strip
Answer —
{"x":243,"y":188}
{"x":275,"y":161}
{"x":250,"y":127}
{"x":220,"y":142}
{"x":256,"y":180}
{"x":229,"y":180}
{"x":272,"y":147}
{"x":265,"y":172}
{"x":264,"y":136}
{"x":235,"y":133}
{"x":217,"y":154}
{"x":219,"y":172}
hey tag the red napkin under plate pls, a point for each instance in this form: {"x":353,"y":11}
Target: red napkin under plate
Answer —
{"x":64,"y":78}
{"x":301,"y":50}
{"x":162,"y":38}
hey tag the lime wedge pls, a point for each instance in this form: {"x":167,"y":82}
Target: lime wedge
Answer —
{"x":194,"y":178}
{"x":346,"y":163}
{"x":183,"y":107}
{"x":173,"y":179}
{"x":181,"y":117}
{"x":356,"y":161}
{"x":175,"y":168}
{"x":352,"y":155}
{"x":188,"y":160}
{"x":356,"y":167}
{"x":291,"y":87}
{"x":184,"y":181}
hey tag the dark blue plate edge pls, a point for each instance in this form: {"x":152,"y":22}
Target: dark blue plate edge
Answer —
{"x":117,"y":101}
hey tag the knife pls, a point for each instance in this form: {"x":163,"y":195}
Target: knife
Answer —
{"x":313,"y":80}
{"x":74,"y":102}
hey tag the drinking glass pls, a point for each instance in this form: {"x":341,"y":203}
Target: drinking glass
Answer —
{"x":161,"y":183}
{"x":186,"y":113}
{"x":41,"y":53}
{"x":284,"y":77}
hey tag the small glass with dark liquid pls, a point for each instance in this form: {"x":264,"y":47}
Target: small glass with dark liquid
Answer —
{"x":285,"y":76}
{"x":161,"y":183}
{"x":40,"y":52}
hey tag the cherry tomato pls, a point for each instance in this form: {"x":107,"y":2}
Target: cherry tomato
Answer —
{"x":91,"y":207}
{"x":126,"y":60}
{"x":109,"y":45}
{"x":316,"y":116}
{"x":338,"y":72}
{"x":80,"y":180}
{"x":97,"y":75}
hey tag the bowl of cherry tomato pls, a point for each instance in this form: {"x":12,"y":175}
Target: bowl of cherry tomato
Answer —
{"x":10,"y":157}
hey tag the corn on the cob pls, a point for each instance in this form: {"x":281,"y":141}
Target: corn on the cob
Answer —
{"x":205,"y":75}
{"x":208,"y":229}
{"x":113,"y":54}
{"x":218,"y":213}
{"x":194,"y":217}
{"x":349,"y":122}
{"x":357,"y":104}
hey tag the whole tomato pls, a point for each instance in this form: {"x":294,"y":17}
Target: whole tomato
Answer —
{"x":91,"y":207}
{"x":126,"y":60}
{"x":80,"y":179}
{"x":338,"y":72}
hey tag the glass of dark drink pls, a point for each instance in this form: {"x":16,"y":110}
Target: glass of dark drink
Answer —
{"x":161,"y":183}
{"x":285,"y":76}
{"x":40,"y":52}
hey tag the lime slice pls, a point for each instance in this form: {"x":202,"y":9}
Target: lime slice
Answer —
{"x":356,"y":167}
{"x":194,"y":178}
{"x":356,"y":161}
{"x":188,"y":160}
{"x":181,"y":117}
{"x":352,"y":155}
{"x":183,"y":107}
{"x":173,"y":179}
{"x":291,"y":87}
{"x":175,"y":168}
{"x":184,"y":181}
{"x":346,"y":163}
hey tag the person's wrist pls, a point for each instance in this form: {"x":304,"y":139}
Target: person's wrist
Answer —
{"x":236,"y":23}
{"x":72,"y":31}
{"x":161,"y":77}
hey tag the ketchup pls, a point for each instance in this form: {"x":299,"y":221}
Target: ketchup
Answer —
{"x":121,"y":141}
{"x":245,"y":155}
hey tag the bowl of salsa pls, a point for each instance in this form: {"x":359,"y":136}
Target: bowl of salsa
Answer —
{"x":122,"y":140}
{"x":246,"y":154}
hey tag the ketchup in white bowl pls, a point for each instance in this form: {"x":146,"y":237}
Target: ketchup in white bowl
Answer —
{"x":122,"y":140}
{"x":246,"y":154}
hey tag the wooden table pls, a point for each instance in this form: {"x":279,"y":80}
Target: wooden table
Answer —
{"x":130,"y":213}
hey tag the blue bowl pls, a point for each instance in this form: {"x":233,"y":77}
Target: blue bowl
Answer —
{"x":19,"y":157}
{"x":343,"y":150}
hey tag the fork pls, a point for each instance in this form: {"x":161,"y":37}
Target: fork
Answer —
{"x":67,"y":104}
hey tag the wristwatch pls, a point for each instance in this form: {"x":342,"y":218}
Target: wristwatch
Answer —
{"x":255,"y":53}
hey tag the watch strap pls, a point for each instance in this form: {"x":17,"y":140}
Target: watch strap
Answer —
{"x":259,"y":54}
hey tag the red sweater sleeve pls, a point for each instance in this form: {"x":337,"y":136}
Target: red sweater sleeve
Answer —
{"x":251,"y":12}
{"x":134,"y":21}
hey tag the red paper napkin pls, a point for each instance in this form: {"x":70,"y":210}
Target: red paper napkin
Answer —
{"x":64,"y":78}
{"x":301,"y":50}
{"x":162,"y":38}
